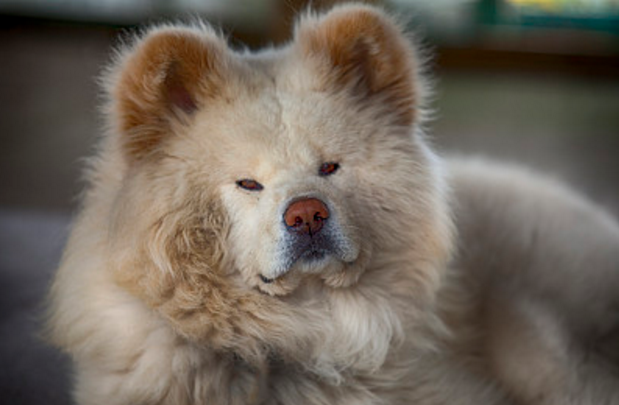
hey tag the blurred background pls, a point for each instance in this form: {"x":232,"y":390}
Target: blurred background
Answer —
{"x":527,"y":81}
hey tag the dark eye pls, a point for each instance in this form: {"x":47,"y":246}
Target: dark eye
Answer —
{"x":248,"y":184}
{"x":327,"y":169}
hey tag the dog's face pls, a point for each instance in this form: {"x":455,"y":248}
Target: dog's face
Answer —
{"x":299,"y":163}
{"x":310,"y":184}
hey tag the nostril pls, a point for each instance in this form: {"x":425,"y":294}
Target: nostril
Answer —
{"x":306,"y":215}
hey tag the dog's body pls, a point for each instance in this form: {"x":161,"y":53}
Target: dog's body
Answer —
{"x":273,"y":229}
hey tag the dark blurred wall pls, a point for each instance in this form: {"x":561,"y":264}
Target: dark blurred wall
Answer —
{"x":49,"y":118}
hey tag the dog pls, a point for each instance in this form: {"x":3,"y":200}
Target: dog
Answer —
{"x":273,"y":227}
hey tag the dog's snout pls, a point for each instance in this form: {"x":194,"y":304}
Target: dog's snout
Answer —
{"x":306,"y":216}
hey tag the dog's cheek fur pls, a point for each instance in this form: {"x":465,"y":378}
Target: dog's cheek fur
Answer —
{"x":402,"y":200}
{"x":176,"y":264}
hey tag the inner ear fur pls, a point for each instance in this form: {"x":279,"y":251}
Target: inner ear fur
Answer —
{"x":362,"y":50}
{"x":162,"y":81}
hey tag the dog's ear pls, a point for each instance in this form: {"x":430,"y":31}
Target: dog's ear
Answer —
{"x":361,"y":50}
{"x":161,"y":82}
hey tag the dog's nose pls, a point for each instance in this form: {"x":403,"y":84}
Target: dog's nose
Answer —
{"x":306,"y":216}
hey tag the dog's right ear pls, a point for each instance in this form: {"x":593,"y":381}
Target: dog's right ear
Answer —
{"x":161,"y":82}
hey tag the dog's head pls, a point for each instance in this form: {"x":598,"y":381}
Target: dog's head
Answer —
{"x":292,"y":164}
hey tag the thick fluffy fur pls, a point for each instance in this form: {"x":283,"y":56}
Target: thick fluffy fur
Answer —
{"x":445,"y":282}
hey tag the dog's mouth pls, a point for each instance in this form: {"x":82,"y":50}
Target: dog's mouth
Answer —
{"x":335,"y":268}
{"x":313,"y":257}
{"x":266,"y":280}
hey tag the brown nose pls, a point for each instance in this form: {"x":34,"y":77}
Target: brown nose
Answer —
{"x":306,"y":216}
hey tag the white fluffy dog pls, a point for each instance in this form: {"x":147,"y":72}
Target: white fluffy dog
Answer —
{"x":272,"y":228}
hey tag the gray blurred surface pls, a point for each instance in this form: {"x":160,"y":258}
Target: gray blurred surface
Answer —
{"x":567,"y":126}
{"x":30,"y":246}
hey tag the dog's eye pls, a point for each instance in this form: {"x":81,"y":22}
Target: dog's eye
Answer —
{"x":248,"y":184}
{"x":327,"y":169}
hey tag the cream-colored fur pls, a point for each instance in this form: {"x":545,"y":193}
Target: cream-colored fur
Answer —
{"x":448,"y":281}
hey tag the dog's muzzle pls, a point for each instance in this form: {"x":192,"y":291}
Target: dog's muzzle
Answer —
{"x":311,"y":236}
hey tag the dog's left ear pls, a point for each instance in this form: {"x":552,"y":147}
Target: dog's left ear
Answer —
{"x":361,"y":50}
